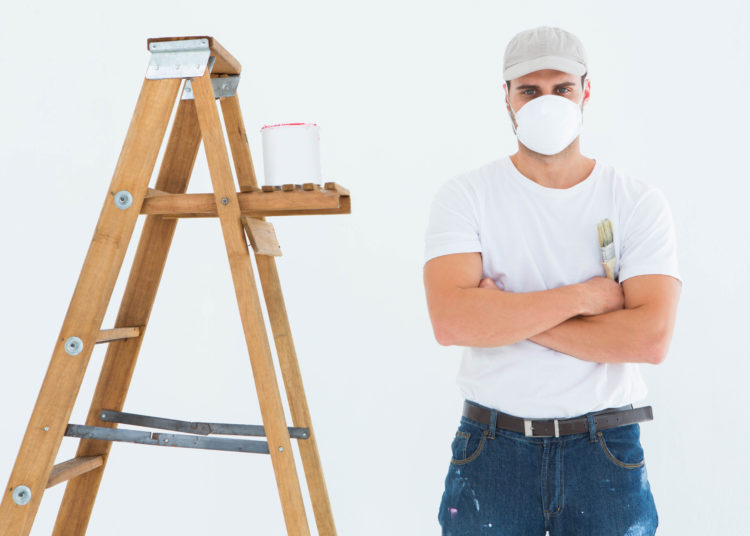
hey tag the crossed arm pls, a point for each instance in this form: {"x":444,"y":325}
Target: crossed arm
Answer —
{"x":640,"y":332}
{"x":467,"y":311}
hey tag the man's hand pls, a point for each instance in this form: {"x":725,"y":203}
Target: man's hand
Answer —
{"x":602,"y":296}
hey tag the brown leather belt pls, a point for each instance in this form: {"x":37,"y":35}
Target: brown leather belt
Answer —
{"x":606,"y":418}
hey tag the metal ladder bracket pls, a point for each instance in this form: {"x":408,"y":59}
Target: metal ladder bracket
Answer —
{"x":183,"y":58}
{"x":224,"y":86}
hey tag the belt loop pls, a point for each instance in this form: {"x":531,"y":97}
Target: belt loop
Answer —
{"x":493,"y":420}
{"x":592,"y":426}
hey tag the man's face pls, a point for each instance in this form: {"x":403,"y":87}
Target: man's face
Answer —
{"x":545,"y":82}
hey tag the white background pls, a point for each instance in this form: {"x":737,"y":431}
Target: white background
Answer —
{"x":407,"y":94}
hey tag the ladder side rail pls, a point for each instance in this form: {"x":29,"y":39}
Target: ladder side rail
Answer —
{"x":282,"y":333}
{"x":88,"y":305}
{"x":135,"y":309}
{"x":253,"y":323}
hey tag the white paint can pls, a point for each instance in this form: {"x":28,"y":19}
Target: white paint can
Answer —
{"x":291,"y":153}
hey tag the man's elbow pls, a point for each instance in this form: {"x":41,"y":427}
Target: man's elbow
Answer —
{"x":443,"y":333}
{"x":450,"y":330}
{"x":659,"y":348}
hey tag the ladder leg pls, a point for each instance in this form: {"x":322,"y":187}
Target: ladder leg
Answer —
{"x":135,"y":309}
{"x":88,"y":305}
{"x":243,"y":160}
{"x":267,"y":386}
{"x":274,"y":300}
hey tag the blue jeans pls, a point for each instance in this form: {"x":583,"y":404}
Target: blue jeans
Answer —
{"x":587,"y":484}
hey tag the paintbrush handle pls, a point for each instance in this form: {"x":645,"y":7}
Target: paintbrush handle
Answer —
{"x":609,"y":268}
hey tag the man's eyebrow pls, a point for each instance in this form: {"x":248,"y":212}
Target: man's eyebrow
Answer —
{"x":531,"y":86}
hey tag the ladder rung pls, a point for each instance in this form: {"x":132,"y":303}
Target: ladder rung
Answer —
{"x":73,"y":468}
{"x":114,"y":334}
{"x":166,"y":440}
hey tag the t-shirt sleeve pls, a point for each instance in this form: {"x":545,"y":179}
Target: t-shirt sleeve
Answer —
{"x":649,"y":243}
{"x":453,"y":224}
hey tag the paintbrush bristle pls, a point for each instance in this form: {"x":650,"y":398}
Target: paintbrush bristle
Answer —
{"x":604,"y":230}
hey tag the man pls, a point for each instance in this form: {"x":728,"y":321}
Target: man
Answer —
{"x":549,"y":438}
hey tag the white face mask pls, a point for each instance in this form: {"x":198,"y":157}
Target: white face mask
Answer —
{"x":548,"y":124}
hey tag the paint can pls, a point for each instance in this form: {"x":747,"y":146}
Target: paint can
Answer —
{"x":291,"y":153}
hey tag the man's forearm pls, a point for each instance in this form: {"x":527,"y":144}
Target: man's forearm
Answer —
{"x":485,"y":317}
{"x":624,"y":335}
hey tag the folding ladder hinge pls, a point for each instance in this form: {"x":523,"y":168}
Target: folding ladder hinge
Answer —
{"x":224,"y":86}
{"x":182,"y":58}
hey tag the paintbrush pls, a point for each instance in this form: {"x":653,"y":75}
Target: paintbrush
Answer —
{"x":606,"y":241}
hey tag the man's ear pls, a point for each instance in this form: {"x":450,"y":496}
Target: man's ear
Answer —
{"x":586,"y":90}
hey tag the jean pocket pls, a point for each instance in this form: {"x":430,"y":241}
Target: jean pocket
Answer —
{"x":467,"y":444}
{"x":622,"y":446}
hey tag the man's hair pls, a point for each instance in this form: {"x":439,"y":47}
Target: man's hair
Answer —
{"x":583,"y":77}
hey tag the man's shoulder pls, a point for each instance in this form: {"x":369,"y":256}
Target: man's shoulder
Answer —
{"x":628,"y":187}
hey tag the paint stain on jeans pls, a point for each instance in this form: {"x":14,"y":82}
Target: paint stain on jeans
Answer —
{"x":458,"y":490}
{"x":637,"y":530}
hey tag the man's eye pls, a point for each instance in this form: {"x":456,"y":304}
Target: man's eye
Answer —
{"x":562,"y":89}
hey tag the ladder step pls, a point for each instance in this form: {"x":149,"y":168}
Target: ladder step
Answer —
{"x":114,"y":334}
{"x":200,"y":428}
{"x":328,"y":199}
{"x":73,"y":468}
{"x":166,"y":440}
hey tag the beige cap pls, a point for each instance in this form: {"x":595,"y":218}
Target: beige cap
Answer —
{"x":544,"y":47}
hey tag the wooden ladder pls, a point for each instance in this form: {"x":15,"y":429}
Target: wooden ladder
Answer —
{"x":210,"y":73}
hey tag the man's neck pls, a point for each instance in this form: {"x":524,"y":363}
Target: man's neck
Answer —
{"x":562,"y":170}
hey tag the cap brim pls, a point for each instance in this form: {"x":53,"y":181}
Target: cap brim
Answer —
{"x":545,"y":62}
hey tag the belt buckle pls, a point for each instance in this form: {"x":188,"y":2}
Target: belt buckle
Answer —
{"x":529,"y":432}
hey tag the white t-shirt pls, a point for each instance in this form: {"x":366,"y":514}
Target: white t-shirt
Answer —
{"x":535,"y":238}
